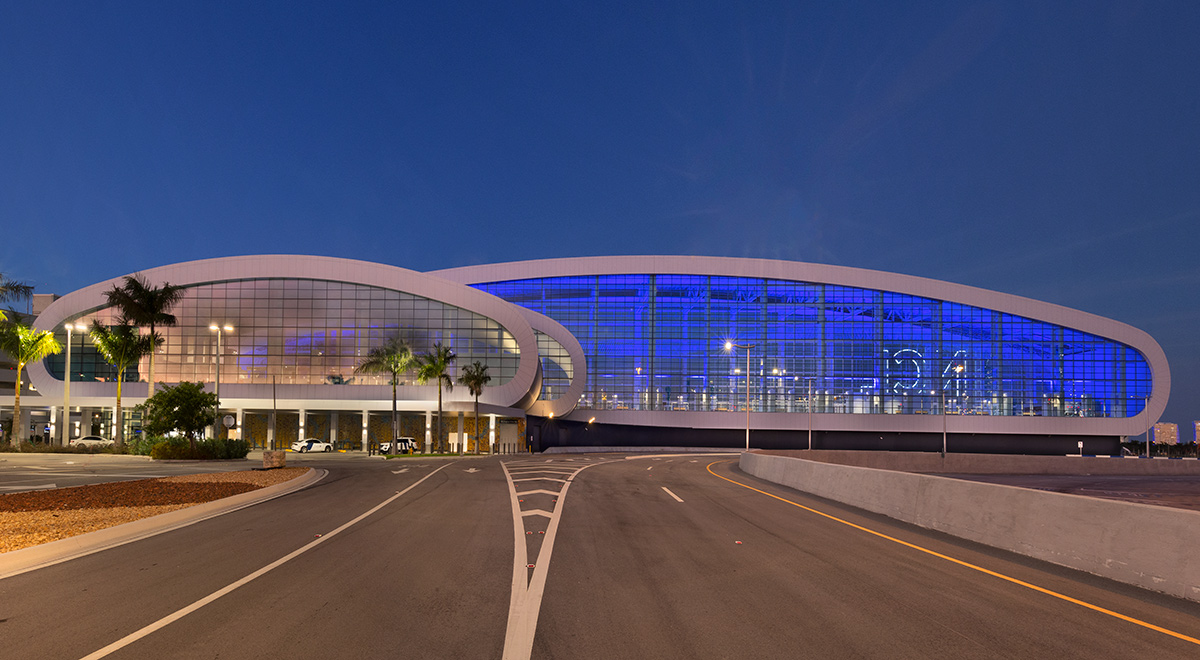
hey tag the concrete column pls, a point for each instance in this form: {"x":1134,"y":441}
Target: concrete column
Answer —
{"x":241,"y":434}
{"x":333,"y":427}
{"x":271,"y":430}
{"x":301,"y":435}
{"x":53,"y":424}
{"x":428,"y":429}
{"x":462,"y":443}
{"x":366,"y":423}
{"x":492,"y":434}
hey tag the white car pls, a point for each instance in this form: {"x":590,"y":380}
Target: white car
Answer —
{"x":408,"y":445}
{"x":90,"y":441}
{"x":304,"y":446}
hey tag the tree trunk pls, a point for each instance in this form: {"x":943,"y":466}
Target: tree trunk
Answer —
{"x":437,"y":441}
{"x":119,"y":422}
{"x":150,"y":367}
{"x":15,"y":440}
{"x":476,"y":426}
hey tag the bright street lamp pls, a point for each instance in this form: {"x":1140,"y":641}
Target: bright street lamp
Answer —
{"x":66,"y":423}
{"x":729,"y":346}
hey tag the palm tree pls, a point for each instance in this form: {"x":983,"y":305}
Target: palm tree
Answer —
{"x":433,"y":366}
{"x":393,"y":358}
{"x":25,"y":345}
{"x":123,"y":347}
{"x":475,"y":376}
{"x":11,"y":290}
{"x":142,"y":305}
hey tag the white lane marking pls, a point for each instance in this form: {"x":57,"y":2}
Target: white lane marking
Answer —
{"x":537,"y":512}
{"x":526,"y":600}
{"x":561,"y":481}
{"x":471,"y":470}
{"x":179,"y":614}
{"x":688,"y":455}
{"x":541,"y":491}
{"x":672,"y":494}
{"x":38,"y":487}
{"x":650,"y":468}
{"x":94,"y":475}
{"x":400,"y":471}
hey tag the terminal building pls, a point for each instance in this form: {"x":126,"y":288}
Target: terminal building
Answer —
{"x":623,"y":351}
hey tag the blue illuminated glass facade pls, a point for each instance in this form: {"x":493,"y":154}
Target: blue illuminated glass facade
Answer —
{"x":656,"y":342}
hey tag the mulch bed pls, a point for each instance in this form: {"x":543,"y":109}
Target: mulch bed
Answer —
{"x":146,"y":492}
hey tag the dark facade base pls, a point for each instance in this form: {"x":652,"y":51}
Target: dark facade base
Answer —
{"x":545,"y":433}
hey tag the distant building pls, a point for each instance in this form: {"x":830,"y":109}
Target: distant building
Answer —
{"x":1166,"y":433}
{"x":623,"y":351}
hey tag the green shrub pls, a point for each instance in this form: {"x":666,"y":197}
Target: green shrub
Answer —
{"x":206,"y":450}
{"x":142,"y":444}
{"x":171,"y":449}
{"x":36,"y":447}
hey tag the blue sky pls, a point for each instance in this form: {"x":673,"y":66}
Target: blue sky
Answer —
{"x":1050,"y":150}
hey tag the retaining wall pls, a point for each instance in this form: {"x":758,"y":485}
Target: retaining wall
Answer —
{"x":1148,"y":546}
{"x":954,"y":463}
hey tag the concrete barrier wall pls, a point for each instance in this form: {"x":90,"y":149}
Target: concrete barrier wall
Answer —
{"x":934,"y":462}
{"x":1148,"y":546}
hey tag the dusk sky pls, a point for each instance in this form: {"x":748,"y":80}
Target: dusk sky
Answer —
{"x":1044,"y":149}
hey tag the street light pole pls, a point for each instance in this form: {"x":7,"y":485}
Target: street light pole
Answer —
{"x":810,"y":414}
{"x":220,"y":330}
{"x":1147,"y":409}
{"x":958,"y":369}
{"x":66,"y":433}
{"x":943,"y":422}
{"x":729,"y":346}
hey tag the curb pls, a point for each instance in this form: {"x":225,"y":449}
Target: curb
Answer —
{"x":56,"y":552}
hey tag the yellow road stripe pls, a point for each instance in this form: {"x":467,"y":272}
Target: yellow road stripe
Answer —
{"x":966,"y":564}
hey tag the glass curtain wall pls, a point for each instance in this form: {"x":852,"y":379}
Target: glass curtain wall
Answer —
{"x":655,"y":342}
{"x":296,"y":331}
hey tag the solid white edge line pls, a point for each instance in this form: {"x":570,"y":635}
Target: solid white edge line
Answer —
{"x":672,"y":494}
{"x":179,"y":614}
{"x":63,"y":550}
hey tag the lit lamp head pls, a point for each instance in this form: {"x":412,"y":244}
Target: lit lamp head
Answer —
{"x":728,"y":346}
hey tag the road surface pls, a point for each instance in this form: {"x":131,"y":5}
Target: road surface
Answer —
{"x":571,"y":557}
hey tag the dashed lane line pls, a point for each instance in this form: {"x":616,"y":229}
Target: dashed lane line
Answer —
{"x":966,"y":564}
{"x":672,"y":494}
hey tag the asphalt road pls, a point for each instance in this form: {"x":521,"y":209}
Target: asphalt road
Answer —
{"x":570,"y":557}
{"x":25,"y":472}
